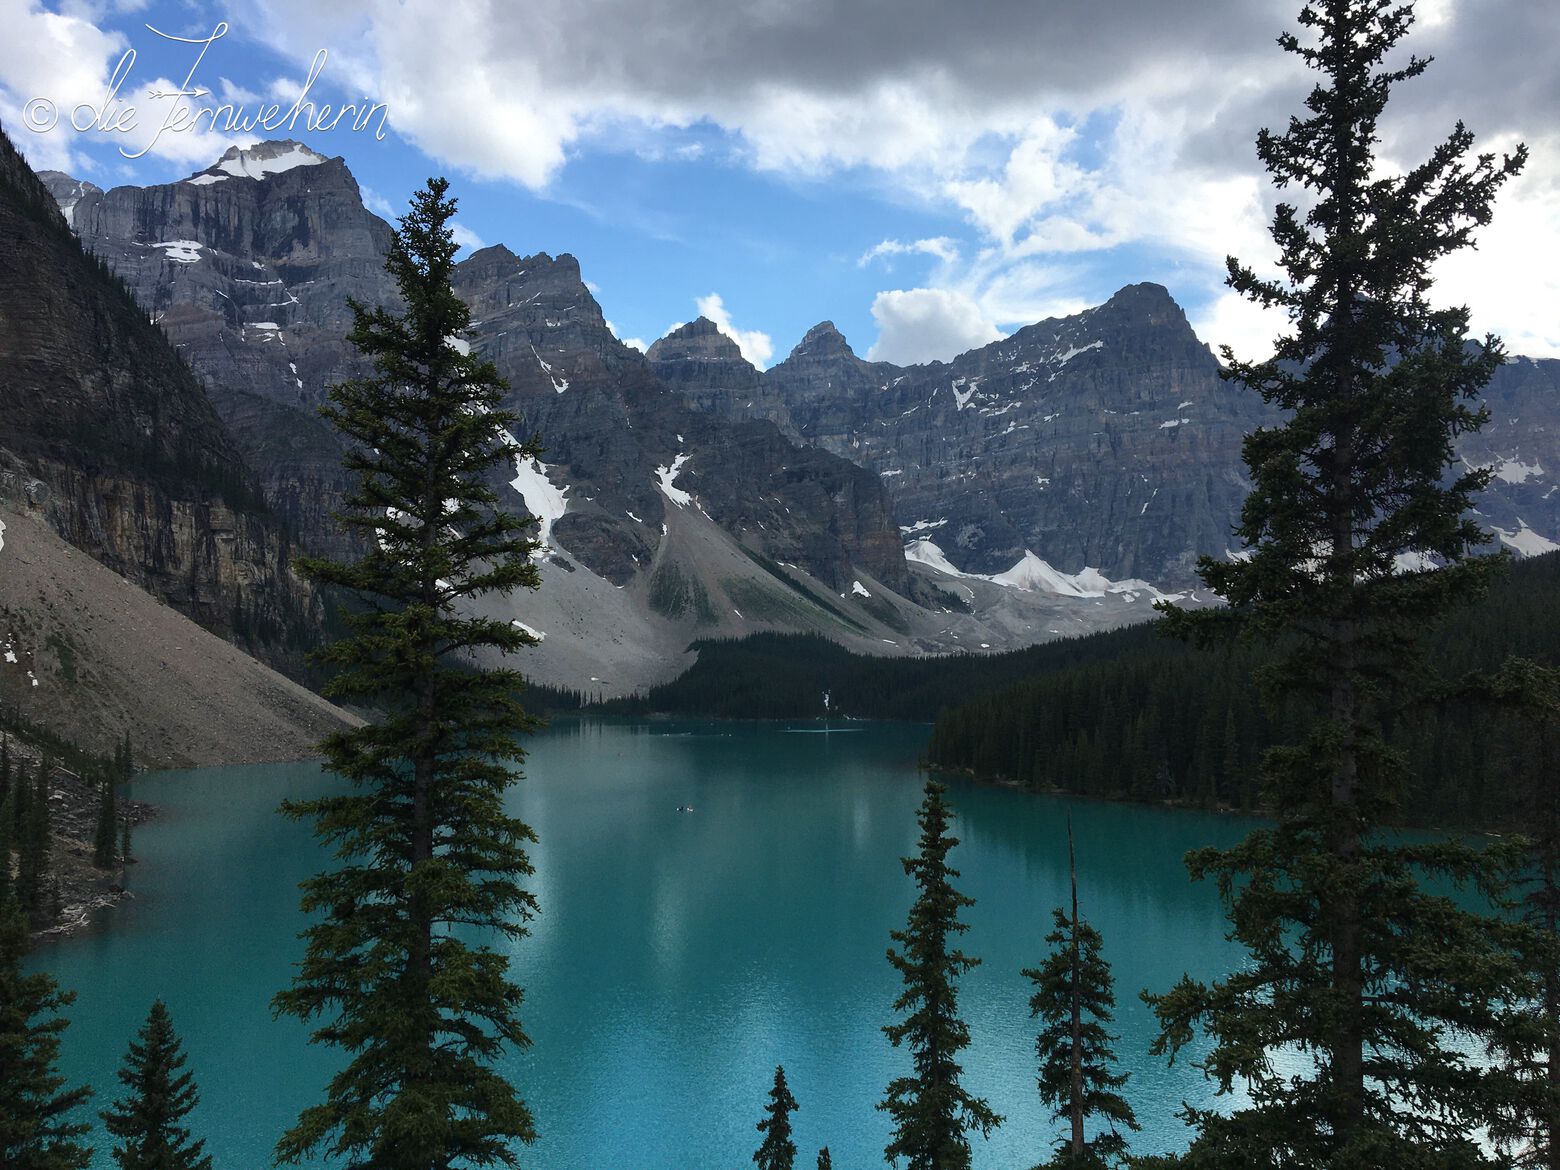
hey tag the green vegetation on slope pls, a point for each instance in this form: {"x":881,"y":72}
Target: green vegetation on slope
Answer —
{"x":1159,"y":720}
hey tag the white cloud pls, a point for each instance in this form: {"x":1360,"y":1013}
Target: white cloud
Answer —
{"x":756,"y":346}
{"x":61,"y":58}
{"x":64,"y":59}
{"x":378,"y":204}
{"x":927,"y":324}
{"x":1512,"y":281}
{"x":942,"y":247}
{"x":1036,"y":177}
{"x":464,"y":236}
{"x":1247,"y":328}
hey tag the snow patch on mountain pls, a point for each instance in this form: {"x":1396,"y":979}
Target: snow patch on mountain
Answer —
{"x":666,"y":476}
{"x":1515,"y":471}
{"x":558,"y":384}
{"x":520,"y":625}
{"x":1063,"y":359}
{"x":263,"y":160}
{"x":1033,"y":575}
{"x":543,"y":500}
{"x":1412,"y":562}
{"x":179,"y":251}
{"x":1525,"y":541}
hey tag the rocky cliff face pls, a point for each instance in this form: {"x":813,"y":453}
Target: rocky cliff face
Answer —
{"x":1105,"y":440}
{"x":112,"y":441}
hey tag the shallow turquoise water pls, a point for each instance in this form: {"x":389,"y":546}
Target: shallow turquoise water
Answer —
{"x":678,"y":957}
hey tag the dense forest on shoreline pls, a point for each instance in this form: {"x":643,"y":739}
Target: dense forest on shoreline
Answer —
{"x":1161,"y":720}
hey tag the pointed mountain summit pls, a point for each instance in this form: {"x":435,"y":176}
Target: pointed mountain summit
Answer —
{"x":823,"y":340}
{"x":708,"y":368}
{"x":700,"y":340}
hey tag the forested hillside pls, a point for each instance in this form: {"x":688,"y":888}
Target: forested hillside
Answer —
{"x":785,"y":676}
{"x":1151,"y":719}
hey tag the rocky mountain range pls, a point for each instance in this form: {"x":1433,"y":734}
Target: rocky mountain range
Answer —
{"x":665,"y":522}
{"x":1102,"y":443}
{"x":1051,"y":482}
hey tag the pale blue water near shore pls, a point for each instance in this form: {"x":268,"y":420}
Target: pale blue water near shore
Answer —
{"x":679,"y":956}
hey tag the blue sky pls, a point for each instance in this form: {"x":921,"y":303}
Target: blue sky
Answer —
{"x":927,"y":176}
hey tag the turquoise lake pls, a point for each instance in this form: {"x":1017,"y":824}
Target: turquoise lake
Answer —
{"x":678,"y":956}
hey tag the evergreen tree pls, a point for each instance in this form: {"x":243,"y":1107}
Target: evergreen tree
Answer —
{"x":425,"y":848}
{"x":931,"y":1110}
{"x":147,"y":1121}
{"x":1526,"y":701}
{"x":32,"y":866}
{"x":36,"y":1127}
{"x":777,"y":1151}
{"x":7,"y":837}
{"x":1352,"y":963}
{"x":824,"y":1161}
{"x":1076,"y":1059}
{"x":103,"y":839}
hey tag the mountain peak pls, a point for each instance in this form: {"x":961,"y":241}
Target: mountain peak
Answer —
{"x":259,"y":161}
{"x":1145,"y":297}
{"x":821,"y":341}
{"x":700,"y":340}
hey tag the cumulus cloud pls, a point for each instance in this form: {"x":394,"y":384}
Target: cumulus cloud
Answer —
{"x":1247,"y":328}
{"x":378,"y":204}
{"x":927,"y":324}
{"x":62,"y":59}
{"x":755,"y":345}
{"x":464,"y":236}
{"x":942,"y":247}
{"x":807,"y":86}
{"x":57,"y":72}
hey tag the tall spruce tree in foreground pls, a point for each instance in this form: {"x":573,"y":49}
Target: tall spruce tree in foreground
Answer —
{"x":1074,"y":999}
{"x":392,"y":974}
{"x":932,"y":1112}
{"x":1348,"y":1022}
{"x":148,"y":1119}
{"x":37,"y":1126}
{"x":777,"y":1151}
